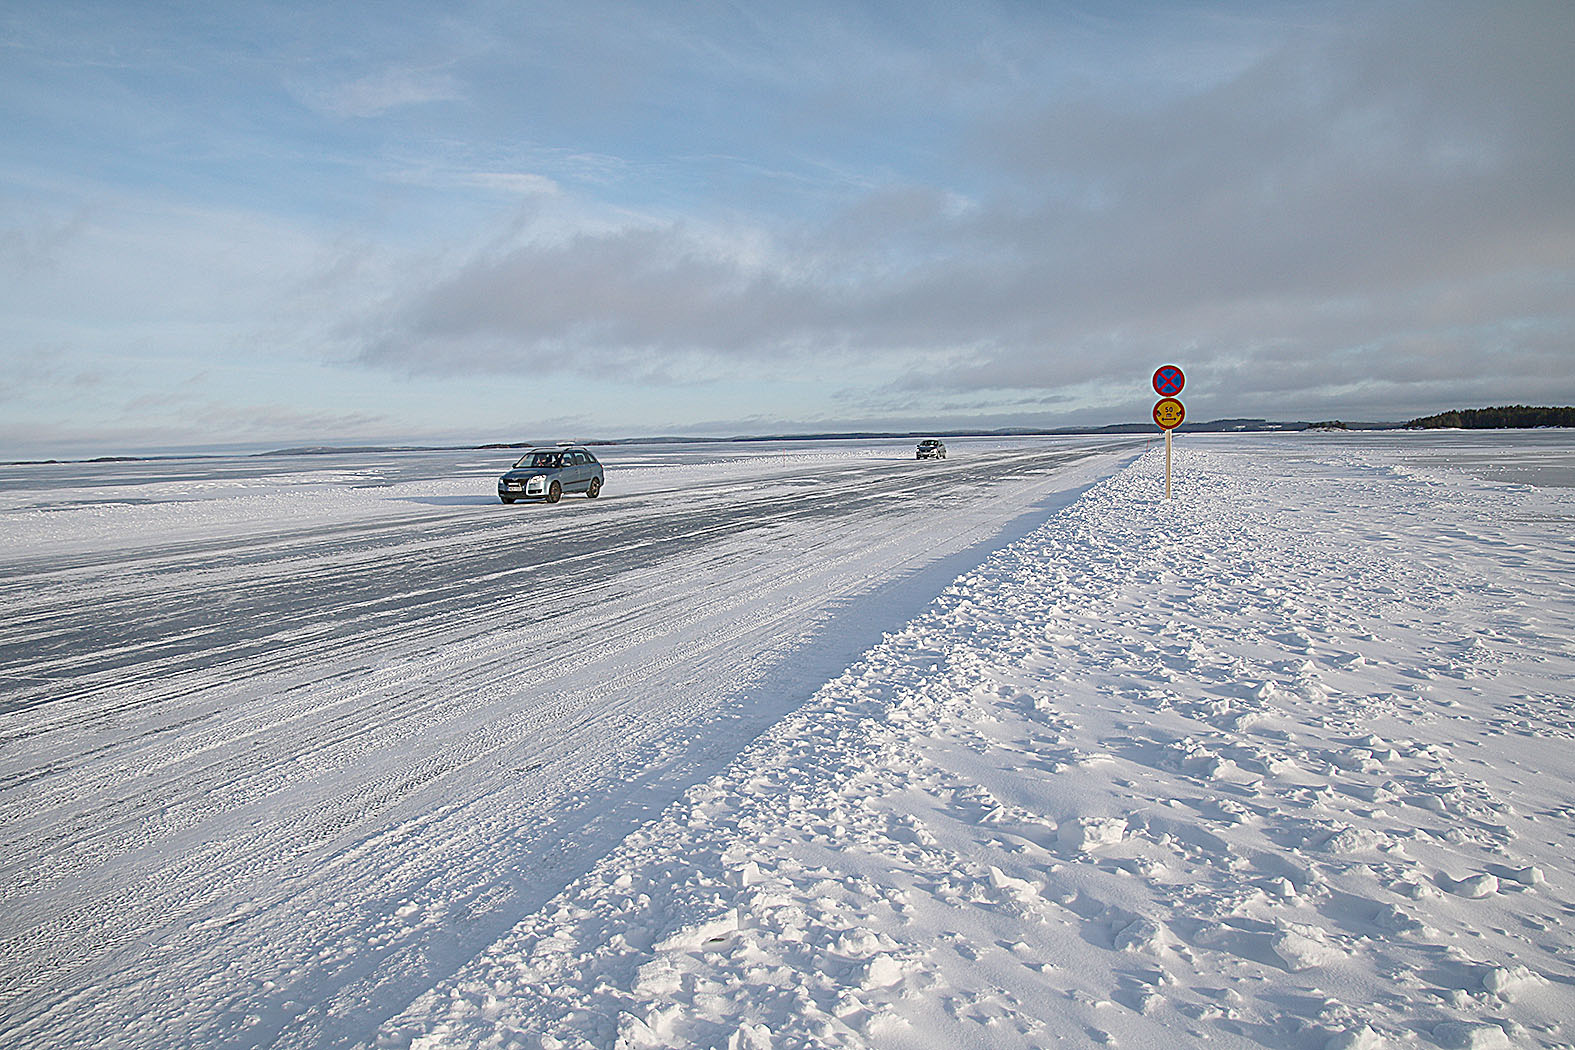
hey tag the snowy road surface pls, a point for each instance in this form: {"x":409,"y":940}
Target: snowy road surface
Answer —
{"x":284,"y":742}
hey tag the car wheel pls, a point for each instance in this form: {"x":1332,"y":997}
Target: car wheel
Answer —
{"x":595,"y":488}
{"x":506,"y":499}
{"x":554,"y":492}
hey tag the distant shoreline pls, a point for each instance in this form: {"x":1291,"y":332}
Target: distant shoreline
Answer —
{"x":1216,"y":426}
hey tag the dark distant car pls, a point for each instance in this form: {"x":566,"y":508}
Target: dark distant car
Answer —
{"x":931,"y":449}
{"x":549,"y":473}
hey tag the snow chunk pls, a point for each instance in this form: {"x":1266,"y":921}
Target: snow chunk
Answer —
{"x":882,"y":971}
{"x":634,"y":1032}
{"x":1302,"y":947}
{"x":858,"y":944}
{"x":1508,"y":982}
{"x":1353,"y":840}
{"x":1356,"y":760}
{"x":700,"y":934}
{"x":1087,"y":834}
{"x":1475,"y":887}
{"x":750,"y":1037}
{"x":1363,"y":1038}
{"x":1470,"y":1035}
{"x":657,"y":978}
{"x":1531,"y":875}
{"x":1396,"y":919}
{"x":1280,"y":886}
{"x":1020,"y":889}
{"x":1143,"y":935}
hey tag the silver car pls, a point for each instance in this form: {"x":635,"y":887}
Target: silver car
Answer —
{"x":549,"y":473}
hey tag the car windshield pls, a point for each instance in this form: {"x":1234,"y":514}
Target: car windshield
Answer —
{"x":541,"y":459}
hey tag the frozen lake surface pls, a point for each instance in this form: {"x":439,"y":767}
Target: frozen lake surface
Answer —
{"x":1545,"y":458}
{"x":792,"y":745}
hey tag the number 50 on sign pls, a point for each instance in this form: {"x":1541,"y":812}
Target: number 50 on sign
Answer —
{"x":1169,"y":413}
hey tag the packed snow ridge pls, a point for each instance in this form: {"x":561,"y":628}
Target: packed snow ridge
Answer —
{"x":1285,"y":761}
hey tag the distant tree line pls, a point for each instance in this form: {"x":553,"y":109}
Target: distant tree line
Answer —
{"x":1509,"y":417}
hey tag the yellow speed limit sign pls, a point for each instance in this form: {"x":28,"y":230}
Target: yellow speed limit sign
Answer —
{"x":1168,"y":413}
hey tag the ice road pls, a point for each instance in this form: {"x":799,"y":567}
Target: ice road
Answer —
{"x":252,"y":708}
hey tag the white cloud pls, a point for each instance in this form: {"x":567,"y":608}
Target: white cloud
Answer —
{"x":375,"y":94}
{"x":521,"y":184}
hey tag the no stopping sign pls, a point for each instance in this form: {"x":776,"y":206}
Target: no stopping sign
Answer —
{"x":1168,"y":380}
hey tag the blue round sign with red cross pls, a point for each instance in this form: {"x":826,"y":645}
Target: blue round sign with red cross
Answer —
{"x":1168,"y":381}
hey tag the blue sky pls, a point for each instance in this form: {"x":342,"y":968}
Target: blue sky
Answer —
{"x":269,"y":224}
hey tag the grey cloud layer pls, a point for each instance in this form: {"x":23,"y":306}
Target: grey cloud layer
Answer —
{"x":1397,"y":202}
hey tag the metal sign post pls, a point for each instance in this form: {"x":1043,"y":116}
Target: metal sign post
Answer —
{"x":1168,"y":412}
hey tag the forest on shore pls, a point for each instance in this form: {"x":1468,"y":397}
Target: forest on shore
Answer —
{"x":1508,"y":417}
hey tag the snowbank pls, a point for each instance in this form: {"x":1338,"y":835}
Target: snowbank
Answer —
{"x":1284,"y":762}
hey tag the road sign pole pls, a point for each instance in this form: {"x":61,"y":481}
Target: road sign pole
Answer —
{"x":1167,"y":464}
{"x":1168,"y":412}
